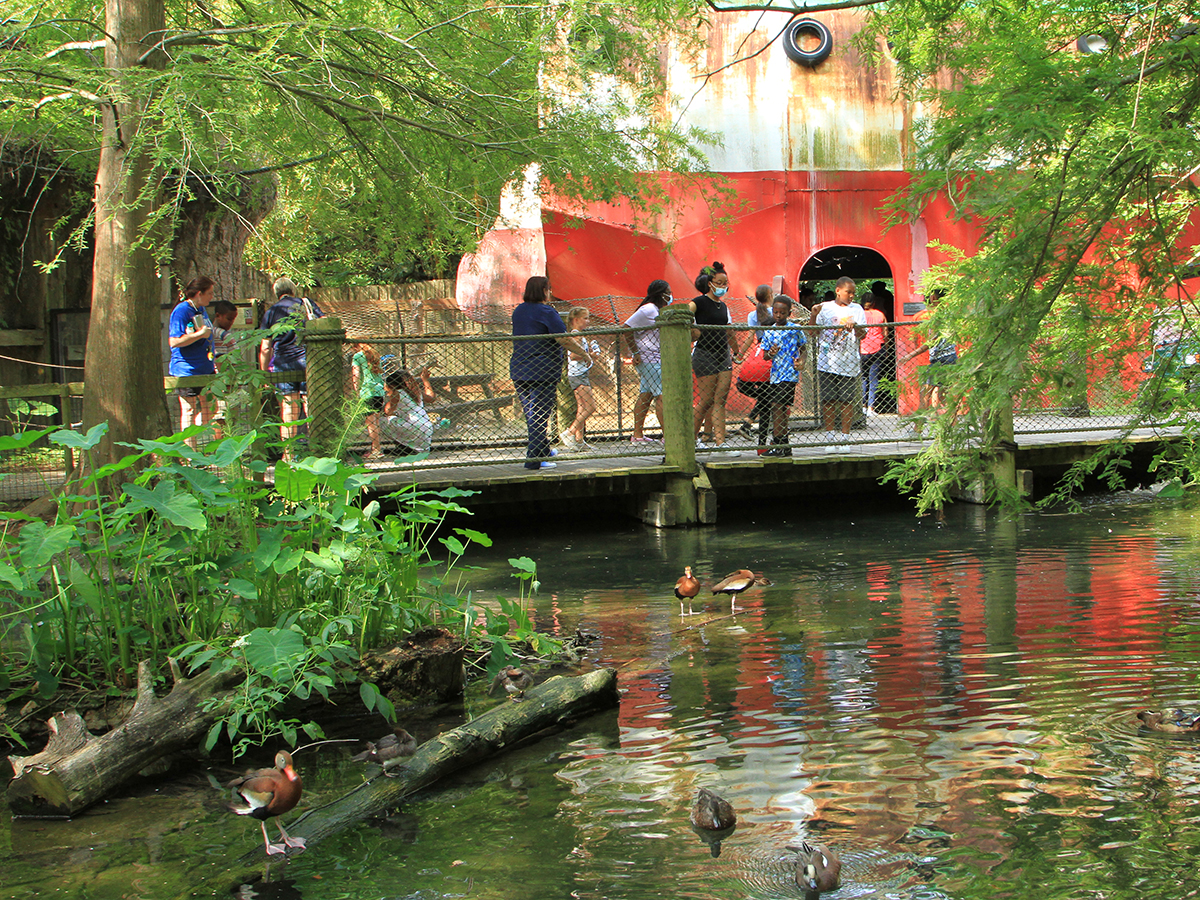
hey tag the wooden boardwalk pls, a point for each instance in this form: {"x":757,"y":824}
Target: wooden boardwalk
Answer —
{"x":618,"y":477}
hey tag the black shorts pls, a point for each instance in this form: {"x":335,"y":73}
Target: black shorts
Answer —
{"x":189,"y":391}
{"x":779,"y":393}
{"x":706,"y":362}
{"x":373,"y":404}
{"x":838,"y":388}
{"x":752,"y":389}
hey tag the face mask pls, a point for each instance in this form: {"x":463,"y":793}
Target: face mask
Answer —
{"x":670,"y":299}
{"x":720,"y":292}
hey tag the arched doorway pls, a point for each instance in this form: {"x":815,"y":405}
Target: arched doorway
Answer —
{"x":872,"y":273}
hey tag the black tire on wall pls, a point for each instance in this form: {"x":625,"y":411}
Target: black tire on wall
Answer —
{"x":796,"y":52}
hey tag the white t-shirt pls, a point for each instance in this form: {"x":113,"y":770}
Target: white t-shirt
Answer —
{"x":581,"y":366}
{"x":837,"y":348}
{"x":645,"y":340}
{"x":411,"y":425}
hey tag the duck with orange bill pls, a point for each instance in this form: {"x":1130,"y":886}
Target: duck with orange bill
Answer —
{"x":737,"y":582}
{"x":267,"y":793}
{"x":686,"y":588}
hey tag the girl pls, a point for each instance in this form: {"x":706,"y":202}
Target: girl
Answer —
{"x":578,"y":367}
{"x":404,"y":414}
{"x":712,"y":357}
{"x":367,"y":380}
{"x":644,"y":353}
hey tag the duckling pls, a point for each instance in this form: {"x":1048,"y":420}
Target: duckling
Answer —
{"x":1175,"y":722}
{"x":712,"y":812}
{"x":817,"y":869}
{"x":686,"y":588}
{"x":390,"y":746}
{"x":514,"y":681}
{"x":736,"y":582}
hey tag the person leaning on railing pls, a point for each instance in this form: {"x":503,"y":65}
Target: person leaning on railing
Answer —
{"x":536,"y":365}
{"x":189,"y":335}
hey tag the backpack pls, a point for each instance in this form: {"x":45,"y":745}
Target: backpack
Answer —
{"x":755,"y":367}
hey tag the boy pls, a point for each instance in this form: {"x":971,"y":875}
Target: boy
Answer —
{"x":784,"y":345}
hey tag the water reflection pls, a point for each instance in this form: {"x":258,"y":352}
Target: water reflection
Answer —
{"x":949,"y":706}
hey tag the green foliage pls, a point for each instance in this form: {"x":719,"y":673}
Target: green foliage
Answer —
{"x":289,"y":583}
{"x":393,"y":126}
{"x":1077,"y":170}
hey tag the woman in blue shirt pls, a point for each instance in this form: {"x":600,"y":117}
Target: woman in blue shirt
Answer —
{"x":189,"y":335}
{"x":536,"y":365}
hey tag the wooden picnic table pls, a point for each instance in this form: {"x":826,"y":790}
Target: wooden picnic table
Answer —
{"x":448,"y":387}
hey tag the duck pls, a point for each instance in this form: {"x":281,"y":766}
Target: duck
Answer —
{"x":817,"y":869}
{"x":514,"y":681}
{"x":713,"y":819}
{"x":736,"y":582}
{"x":391,"y":746}
{"x":686,"y":588}
{"x":1170,"y":722}
{"x":266,"y":793}
{"x":712,"y":812}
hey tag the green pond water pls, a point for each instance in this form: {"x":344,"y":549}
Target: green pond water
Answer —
{"x":948,"y":705}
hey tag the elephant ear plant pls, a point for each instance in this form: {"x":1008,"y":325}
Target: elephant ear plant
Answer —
{"x":199,"y":558}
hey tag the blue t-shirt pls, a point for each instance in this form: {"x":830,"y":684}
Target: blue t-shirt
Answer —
{"x":536,"y":360}
{"x":195,"y":358}
{"x":786,"y":340}
{"x":287,"y":352}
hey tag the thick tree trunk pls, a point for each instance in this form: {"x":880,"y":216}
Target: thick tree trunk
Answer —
{"x":552,"y":704}
{"x":123,"y":371}
{"x":77,"y":768}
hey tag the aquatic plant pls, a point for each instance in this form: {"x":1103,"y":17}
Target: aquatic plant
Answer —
{"x":198,"y":558}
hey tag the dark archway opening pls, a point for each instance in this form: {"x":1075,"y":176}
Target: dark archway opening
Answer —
{"x":872,"y":273}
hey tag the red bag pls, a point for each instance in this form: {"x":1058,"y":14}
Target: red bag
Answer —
{"x":755,"y":367}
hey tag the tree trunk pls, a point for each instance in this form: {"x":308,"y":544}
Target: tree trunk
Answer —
{"x":552,"y":704}
{"x":213,"y":226}
{"x":123,"y":371}
{"x":77,"y":768}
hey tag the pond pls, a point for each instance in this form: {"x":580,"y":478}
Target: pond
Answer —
{"x":947,"y":705}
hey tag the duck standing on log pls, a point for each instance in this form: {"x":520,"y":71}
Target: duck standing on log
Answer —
{"x":391,"y":746}
{"x":818,"y":869}
{"x":267,"y":793}
{"x":514,"y":681}
{"x":736,"y":582}
{"x":686,"y":588}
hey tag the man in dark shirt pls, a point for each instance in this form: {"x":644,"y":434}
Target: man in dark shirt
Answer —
{"x":283,"y":350}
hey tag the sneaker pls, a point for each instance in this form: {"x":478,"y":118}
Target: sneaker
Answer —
{"x":643,"y":440}
{"x":541,"y":465}
{"x":728,"y":450}
{"x":584,"y":445}
{"x":568,"y":441}
{"x":700,"y":445}
{"x":746,"y":429}
{"x":548,"y":465}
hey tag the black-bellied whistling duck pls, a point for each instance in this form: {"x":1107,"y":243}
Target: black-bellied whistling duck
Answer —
{"x":686,"y":588}
{"x":817,"y":869}
{"x":268,"y":793}
{"x":713,"y":819}
{"x":736,"y":582}
{"x":1175,"y":722}
{"x":390,"y":746}
{"x":514,"y":681}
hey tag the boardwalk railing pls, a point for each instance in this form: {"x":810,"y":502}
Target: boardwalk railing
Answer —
{"x":473,"y":414}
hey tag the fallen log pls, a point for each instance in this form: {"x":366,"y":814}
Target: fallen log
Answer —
{"x":554,"y":703}
{"x":77,"y":768}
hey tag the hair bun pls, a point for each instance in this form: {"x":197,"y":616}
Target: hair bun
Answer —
{"x":719,"y":267}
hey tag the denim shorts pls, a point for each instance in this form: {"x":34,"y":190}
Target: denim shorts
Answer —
{"x":292,"y":387}
{"x":650,"y":374}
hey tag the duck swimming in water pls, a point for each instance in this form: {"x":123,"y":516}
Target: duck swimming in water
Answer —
{"x":1176,"y":721}
{"x":818,"y":869}
{"x":713,"y":819}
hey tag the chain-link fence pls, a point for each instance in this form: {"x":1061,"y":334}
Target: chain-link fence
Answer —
{"x":450,"y":399}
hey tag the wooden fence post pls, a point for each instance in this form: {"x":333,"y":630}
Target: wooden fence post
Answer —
{"x":679,"y":437}
{"x":323,"y":341}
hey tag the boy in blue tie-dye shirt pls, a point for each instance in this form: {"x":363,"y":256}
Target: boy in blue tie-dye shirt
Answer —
{"x":785,"y":346}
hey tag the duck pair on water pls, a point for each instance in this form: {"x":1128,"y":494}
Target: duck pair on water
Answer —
{"x":688,"y":586}
{"x":817,"y":867}
{"x":1175,"y":721}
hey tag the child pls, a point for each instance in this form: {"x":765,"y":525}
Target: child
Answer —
{"x":404,"y":415}
{"x":224,"y":342}
{"x":367,"y":380}
{"x":784,"y":345}
{"x":575,"y":437}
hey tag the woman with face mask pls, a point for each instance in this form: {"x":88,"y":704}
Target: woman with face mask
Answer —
{"x":644,"y":354}
{"x":712,"y":356}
